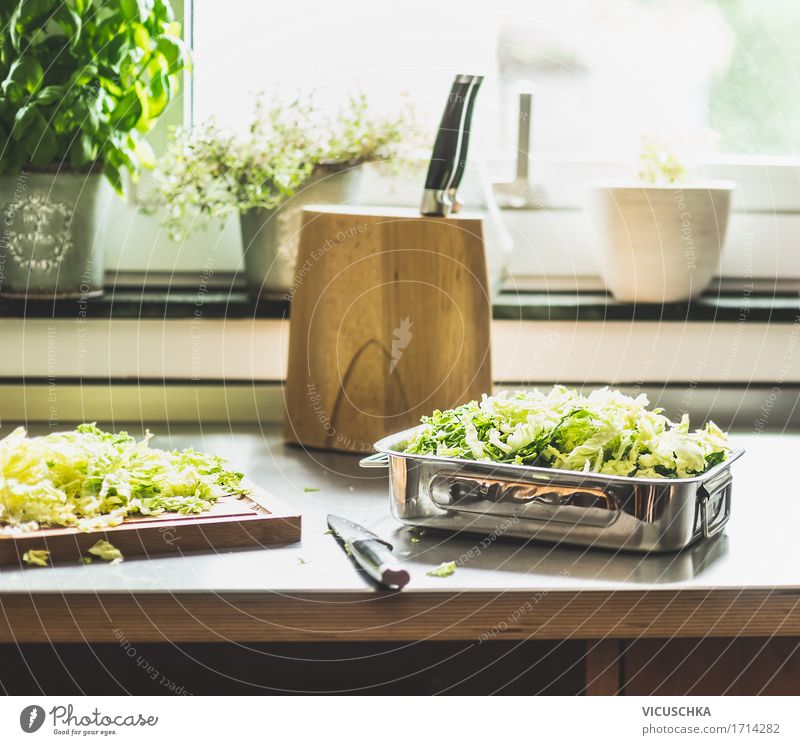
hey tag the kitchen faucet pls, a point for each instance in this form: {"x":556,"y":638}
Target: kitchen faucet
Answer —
{"x":519,"y":193}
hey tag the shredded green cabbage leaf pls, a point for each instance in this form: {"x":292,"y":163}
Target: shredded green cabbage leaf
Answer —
{"x":445,"y":569}
{"x":37,"y":557}
{"x":91,"y":479}
{"x":106,"y":551}
{"x":603,"y":432}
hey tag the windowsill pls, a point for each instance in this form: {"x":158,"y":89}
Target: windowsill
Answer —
{"x":598,"y":305}
{"x":153,"y":303}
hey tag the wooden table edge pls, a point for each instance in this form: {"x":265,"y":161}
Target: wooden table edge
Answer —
{"x":404,"y":616}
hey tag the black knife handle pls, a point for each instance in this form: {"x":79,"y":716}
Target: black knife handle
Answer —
{"x":449,"y":157}
{"x":466,"y":126}
{"x":379,"y":562}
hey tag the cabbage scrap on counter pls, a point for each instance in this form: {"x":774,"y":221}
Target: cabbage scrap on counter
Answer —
{"x":91,"y":479}
{"x":604,"y":432}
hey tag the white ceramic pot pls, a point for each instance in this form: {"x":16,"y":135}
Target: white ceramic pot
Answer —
{"x":270,"y":238}
{"x":660,"y":244}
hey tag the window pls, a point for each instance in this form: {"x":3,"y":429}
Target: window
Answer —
{"x":604,"y":73}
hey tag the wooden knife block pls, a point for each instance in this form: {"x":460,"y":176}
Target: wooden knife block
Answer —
{"x":390,"y":319}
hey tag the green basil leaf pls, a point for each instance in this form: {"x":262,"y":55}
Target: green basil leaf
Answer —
{"x":45,"y":148}
{"x":159,"y":95}
{"x":13,"y":91}
{"x":127,"y":112}
{"x":92,"y":111}
{"x":163,"y":11}
{"x":114,"y":177}
{"x":15,"y":26}
{"x":141,"y":37}
{"x":174,"y":52}
{"x":71,"y":22}
{"x":27,"y":72}
{"x":83,"y":75}
{"x":81,"y":79}
{"x":25,"y":121}
{"x":50,"y":94}
{"x":82,"y":151}
{"x":134,"y":10}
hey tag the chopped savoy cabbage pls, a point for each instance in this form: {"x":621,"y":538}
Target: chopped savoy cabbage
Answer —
{"x":445,"y":569}
{"x":92,"y":479}
{"x":37,"y":557}
{"x":106,"y":551}
{"x":604,"y":432}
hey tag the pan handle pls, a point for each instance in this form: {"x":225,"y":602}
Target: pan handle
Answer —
{"x":376,"y":460}
{"x":712,"y":530}
{"x":534,"y":501}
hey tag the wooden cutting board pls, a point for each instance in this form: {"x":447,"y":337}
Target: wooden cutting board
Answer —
{"x":253,"y":520}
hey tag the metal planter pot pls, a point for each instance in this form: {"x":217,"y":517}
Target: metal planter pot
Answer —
{"x":52,"y":236}
{"x":270,"y":237}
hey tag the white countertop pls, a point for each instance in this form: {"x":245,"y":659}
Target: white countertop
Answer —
{"x":759,"y":550}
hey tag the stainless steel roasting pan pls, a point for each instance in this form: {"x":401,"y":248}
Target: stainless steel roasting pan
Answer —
{"x":583,"y":509}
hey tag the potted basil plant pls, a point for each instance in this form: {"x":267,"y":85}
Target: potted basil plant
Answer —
{"x":81,"y":83}
{"x":291,"y":155}
{"x":661,"y":234}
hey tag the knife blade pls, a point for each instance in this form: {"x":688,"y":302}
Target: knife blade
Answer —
{"x":373,"y":554}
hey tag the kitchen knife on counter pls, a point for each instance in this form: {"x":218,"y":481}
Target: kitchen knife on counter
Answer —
{"x":449,"y":157}
{"x":373,"y":554}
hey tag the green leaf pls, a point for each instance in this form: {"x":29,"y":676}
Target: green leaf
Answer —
{"x":445,"y":569}
{"x":105,"y":32}
{"x":45,"y":149}
{"x":114,"y":177}
{"x":163,"y":11}
{"x":83,"y":75}
{"x":115,"y":52}
{"x":27,"y":72}
{"x":159,"y":95}
{"x":29,"y":14}
{"x":27,"y":122}
{"x":127,"y":111}
{"x":88,"y":112}
{"x":106,"y":551}
{"x":71,"y":22}
{"x":134,"y":10}
{"x":174,"y":51}
{"x":78,"y":77}
{"x":13,"y":91}
{"x":37,"y":557}
{"x":50,"y":94}
{"x":82,"y":151}
{"x":143,"y":124}
{"x":15,"y":26}
{"x":141,"y":37}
